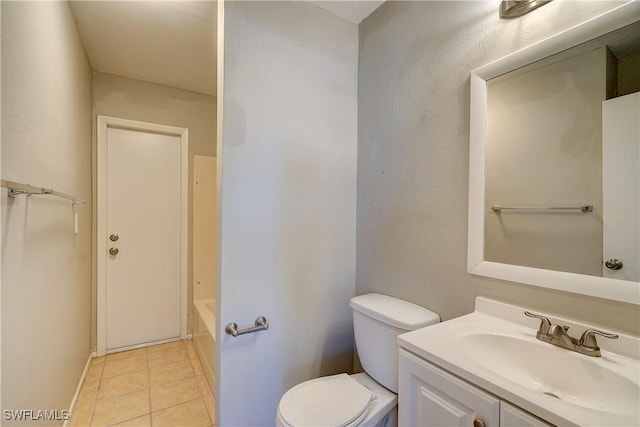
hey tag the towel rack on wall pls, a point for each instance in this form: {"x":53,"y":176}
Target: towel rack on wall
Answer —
{"x":580,"y":209}
{"x":17,"y":189}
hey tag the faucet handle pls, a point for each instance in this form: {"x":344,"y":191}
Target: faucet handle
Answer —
{"x":545,"y":323}
{"x":588,"y":338}
{"x":558,"y":330}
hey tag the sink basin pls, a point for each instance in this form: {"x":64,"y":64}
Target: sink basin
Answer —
{"x":495,"y":348}
{"x":589,"y":382}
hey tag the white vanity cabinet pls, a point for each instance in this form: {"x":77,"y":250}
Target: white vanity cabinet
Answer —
{"x":430,"y":396}
{"x":512,"y":416}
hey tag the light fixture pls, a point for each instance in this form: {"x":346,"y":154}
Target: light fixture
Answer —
{"x":516,"y":8}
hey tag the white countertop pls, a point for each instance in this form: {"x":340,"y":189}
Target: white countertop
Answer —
{"x":449,"y":345}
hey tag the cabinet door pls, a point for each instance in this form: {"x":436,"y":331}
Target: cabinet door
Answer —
{"x":512,"y":416}
{"x":430,"y":396}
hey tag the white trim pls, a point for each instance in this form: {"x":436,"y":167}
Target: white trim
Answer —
{"x":103,"y":123}
{"x":72,"y":406}
{"x":477,"y":131}
{"x":144,"y":345}
{"x":219,"y":168}
{"x":184,"y":229}
{"x":612,"y":289}
{"x":597,"y":26}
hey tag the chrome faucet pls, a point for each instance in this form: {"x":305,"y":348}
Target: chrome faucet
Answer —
{"x":558,"y":335}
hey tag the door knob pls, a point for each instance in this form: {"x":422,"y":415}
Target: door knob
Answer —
{"x":614,"y":264}
{"x":114,"y":251}
{"x":114,"y":237}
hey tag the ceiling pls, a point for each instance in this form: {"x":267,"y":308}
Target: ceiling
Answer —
{"x":167,"y":42}
{"x":352,"y":10}
{"x":172,"y":43}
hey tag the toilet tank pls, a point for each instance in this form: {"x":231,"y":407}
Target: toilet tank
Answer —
{"x":377,"y":321}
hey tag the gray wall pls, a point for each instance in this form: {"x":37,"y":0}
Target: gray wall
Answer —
{"x":132,"y":99}
{"x":46,"y":268}
{"x":288,"y":201}
{"x":413,"y":155}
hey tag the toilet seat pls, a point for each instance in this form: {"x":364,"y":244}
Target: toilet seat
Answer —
{"x":336,"y":401}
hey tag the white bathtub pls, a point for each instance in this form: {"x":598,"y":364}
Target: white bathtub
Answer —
{"x":204,"y":336}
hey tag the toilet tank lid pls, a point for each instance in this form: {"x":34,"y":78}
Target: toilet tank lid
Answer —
{"x":393,"y":311}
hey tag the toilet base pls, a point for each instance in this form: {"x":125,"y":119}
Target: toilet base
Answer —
{"x":389,"y":420}
{"x":384,"y":411}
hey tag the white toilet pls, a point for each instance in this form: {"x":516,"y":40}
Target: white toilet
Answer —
{"x":364,"y":399}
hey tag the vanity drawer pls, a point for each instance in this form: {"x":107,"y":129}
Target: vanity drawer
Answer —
{"x":512,"y":416}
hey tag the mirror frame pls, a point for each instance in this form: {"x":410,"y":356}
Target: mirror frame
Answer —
{"x":595,"y":286}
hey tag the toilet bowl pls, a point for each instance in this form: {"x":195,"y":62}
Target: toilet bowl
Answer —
{"x":368,"y":398}
{"x":338,"y":400}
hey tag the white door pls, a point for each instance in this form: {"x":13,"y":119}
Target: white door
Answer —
{"x":621,"y":185}
{"x":141,"y":233}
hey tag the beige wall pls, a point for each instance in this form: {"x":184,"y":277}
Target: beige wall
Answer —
{"x":558,"y":164}
{"x":46,"y":268}
{"x":149,"y":102}
{"x":288,"y":193}
{"x":629,"y":74}
{"x":413,"y":153}
{"x":204,"y":238}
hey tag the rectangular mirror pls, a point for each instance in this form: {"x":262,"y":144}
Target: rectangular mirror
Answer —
{"x":554,"y":191}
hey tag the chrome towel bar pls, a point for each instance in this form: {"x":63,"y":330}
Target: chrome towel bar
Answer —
{"x":582,"y":208}
{"x":261,"y":324}
{"x":17,"y":189}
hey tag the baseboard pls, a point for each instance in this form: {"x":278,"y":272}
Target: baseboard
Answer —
{"x":75,"y":396}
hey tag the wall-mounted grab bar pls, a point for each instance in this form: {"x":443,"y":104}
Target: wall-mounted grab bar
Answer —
{"x":582,"y":208}
{"x":17,"y":189}
{"x":261,"y":324}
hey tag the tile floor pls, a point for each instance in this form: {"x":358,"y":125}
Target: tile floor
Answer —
{"x":163,"y":385}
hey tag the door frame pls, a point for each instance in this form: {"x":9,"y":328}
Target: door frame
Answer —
{"x":103,"y":124}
